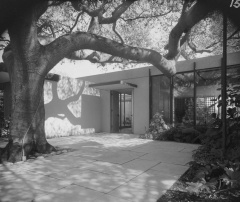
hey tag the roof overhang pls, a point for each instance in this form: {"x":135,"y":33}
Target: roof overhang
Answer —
{"x":113,"y":85}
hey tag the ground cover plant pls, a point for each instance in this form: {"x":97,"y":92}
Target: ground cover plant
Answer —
{"x":205,"y":183}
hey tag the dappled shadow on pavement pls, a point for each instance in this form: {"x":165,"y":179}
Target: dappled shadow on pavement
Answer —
{"x":100,"y":167}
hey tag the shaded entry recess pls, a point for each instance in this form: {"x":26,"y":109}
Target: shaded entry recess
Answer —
{"x":113,"y":85}
{"x":121,"y":104}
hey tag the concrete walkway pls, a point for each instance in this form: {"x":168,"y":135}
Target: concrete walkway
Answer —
{"x":102,"y":168}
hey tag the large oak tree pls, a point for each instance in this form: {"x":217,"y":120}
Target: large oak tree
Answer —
{"x":29,"y":58}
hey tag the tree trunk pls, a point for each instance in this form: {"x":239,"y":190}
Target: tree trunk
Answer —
{"x":27,"y":133}
{"x":27,"y":71}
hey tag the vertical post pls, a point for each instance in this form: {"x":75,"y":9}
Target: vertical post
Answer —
{"x":224,"y":84}
{"x":120,"y":109}
{"x":171,"y":100}
{"x":3,"y":110}
{"x":124,"y":109}
{"x":150,"y":96}
{"x":194,"y":96}
{"x":111,"y":111}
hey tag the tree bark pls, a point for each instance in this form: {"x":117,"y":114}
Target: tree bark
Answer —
{"x":27,"y":130}
{"x":65,"y":45}
{"x":26,"y":69}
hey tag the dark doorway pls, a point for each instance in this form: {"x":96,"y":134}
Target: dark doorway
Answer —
{"x":114,"y":111}
{"x":125,"y":111}
{"x":121,"y":111}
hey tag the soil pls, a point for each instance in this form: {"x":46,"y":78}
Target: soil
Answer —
{"x":179,"y":193}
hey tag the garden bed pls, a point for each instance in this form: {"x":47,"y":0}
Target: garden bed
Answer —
{"x":181,"y":191}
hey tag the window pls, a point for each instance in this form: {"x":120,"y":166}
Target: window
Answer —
{"x":160,"y":97}
{"x":194,"y":96}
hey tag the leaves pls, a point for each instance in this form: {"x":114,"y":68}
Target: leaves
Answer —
{"x":232,"y":178}
{"x":157,"y":127}
{"x":197,"y":187}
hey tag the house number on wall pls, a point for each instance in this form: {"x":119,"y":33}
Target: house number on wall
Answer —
{"x":235,"y":3}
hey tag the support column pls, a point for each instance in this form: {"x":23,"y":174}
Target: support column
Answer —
{"x":224,"y":84}
{"x":150,"y":95}
{"x":171,"y":100}
{"x":120,"y":109}
{"x":124,"y":118}
{"x":194,"y":96}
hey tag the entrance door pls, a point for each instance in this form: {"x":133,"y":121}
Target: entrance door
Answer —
{"x":114,"y":112}
{"x":126,"y":111}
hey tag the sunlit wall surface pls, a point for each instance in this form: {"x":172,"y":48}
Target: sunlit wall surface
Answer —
{"x":71,"y":108}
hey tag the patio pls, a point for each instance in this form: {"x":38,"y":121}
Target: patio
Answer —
{"x":102,"y":167}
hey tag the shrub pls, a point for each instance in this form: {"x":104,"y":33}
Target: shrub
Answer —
{"x":5,"y":132}
{"x":156,"y":128}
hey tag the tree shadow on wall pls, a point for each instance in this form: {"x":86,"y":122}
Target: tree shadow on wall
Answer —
{"x":71,"y":108}
{"x":60,"y":108}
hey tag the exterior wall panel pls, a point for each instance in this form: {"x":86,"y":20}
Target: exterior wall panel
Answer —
{"x":105,"y":111}
{"x":71,"y":108}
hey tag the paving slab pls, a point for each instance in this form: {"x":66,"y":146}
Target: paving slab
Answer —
{"x":138,"y":194}
{"x":140,"y":164}
{"x":91,"y":179}
{"x":115,"y":170}
{"x":77,"y":193}
{"x":25,"y":186}
{"x":156,"y":179}
{"x":101,"y":167}
{"x":40,"y":182}
{"x":157,"y":146}
{"x":120,"y":157}
{"x":20,"y":194}
{"x":169,"y":156}
{"x":46,"y":168}
{"x":170,"y":169}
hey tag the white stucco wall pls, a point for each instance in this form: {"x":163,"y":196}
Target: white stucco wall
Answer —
{"x":140,"y":77}
{"x":71,"y":108}
{"x":105,"y":111}
{"x":140,"y":104}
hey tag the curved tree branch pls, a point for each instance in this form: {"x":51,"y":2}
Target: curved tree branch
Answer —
{"x":46,"y":25}
{"x":115,"y":31}
{"x":93,"y":25}
{"x":188,"y":19}
{"x":194,"y":48}
{"x":235,"y":32}
{"x":96,"y":57}
{"x":116,"y":13}
{"x":147,"y":16}
{"x":58,"y":49}
{"x":99,"y":12}
{"x":85,"y":7}
{"x":76,"y":21}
